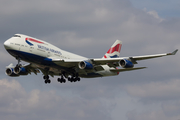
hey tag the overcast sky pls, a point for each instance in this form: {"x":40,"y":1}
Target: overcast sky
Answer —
{"x":89,"y":28}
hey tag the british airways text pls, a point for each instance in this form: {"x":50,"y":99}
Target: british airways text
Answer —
{"x":49,"y":49}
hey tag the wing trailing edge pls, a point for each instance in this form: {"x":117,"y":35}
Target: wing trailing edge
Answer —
{"x":153,"y":56}
{"x":126,"y":69}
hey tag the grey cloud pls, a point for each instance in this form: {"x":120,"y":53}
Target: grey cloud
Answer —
{"x":156,"y":91}
{"x":171,"y":108}
{"x":167,"y":110}
{"x":155,"y":115}
{"x":16,"y":103}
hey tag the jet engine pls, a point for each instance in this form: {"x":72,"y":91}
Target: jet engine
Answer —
{"x":85,"y":65}
{"x":10,"y":72}
{"x":20,"y":71}
{"x":126,"y":63}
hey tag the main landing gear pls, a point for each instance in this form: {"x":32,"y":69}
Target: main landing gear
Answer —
{"x":62,"y":79}
{"x":47,"y":80}
{"x":71,"y":79}
{"x":74,"y":78}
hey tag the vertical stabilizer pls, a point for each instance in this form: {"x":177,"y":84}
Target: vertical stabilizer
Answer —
{"x":114,"y":51}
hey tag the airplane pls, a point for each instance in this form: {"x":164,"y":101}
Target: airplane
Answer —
{"x":52,"y":61}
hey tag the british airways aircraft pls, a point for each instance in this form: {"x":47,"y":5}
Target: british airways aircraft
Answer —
{"x":52,"y":61}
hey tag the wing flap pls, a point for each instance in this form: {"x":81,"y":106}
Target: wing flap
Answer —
{"x":67,"y":62}
{"x":98,"y":68}
{"x":30,"y":68}
{"x":126,"y":69}
{"x":105,"y":61}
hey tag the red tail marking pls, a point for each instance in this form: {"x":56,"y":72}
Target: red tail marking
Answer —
{"x":115,"y":48}
{"x":105,"y":56}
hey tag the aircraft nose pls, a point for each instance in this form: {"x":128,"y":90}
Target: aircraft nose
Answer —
{"x":6,"y":44}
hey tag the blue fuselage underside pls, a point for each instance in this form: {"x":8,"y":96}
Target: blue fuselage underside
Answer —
{"x":32,"y":58}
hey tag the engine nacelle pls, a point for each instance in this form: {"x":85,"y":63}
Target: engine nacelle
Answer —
{"x":85,"y":65}
{"x":10,"y":72}
{"x":20,"y":71}
{"x":126,"y":63}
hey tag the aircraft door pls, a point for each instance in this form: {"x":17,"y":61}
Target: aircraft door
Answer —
{"x":22,"y":47}
{"x":48,"y":53}
{"x":31,"y":49}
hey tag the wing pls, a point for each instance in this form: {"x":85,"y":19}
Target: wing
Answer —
{"x":112,"y":62}
{"x":153,"y":56}
{"x":31,"y":68}
{"x":133,"y":59}
{"x":15,"y":71}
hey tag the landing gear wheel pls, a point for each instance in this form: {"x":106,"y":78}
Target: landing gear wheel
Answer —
{"x":58,"y":79}
{"x":74,"y":80}
{"x":64,"y":81}
{"x":46,"y":78}
{"x":61,"y":80}
{"x":47,"y":81}
{"x":78,"y":79}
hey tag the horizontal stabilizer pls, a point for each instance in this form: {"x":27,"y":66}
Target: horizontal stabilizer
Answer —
{"x":10,"y":65}
{"x":126,"y":69}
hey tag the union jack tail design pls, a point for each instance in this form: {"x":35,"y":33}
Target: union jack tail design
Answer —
{"x":114,"y":51}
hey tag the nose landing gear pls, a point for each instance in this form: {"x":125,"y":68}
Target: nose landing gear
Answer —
{"x":19,"y":60}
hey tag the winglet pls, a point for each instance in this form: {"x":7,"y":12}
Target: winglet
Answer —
{"x":173,"y":53}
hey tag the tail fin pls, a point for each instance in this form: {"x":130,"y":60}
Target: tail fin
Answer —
{"x":114,"y":51}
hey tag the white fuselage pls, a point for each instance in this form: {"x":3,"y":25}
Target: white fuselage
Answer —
{"x":40,"y":53}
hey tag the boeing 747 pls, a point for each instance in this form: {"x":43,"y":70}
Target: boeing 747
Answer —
{"x":52,"y":61}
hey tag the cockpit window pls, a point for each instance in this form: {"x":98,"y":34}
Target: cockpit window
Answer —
{"x":16,"y":36}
